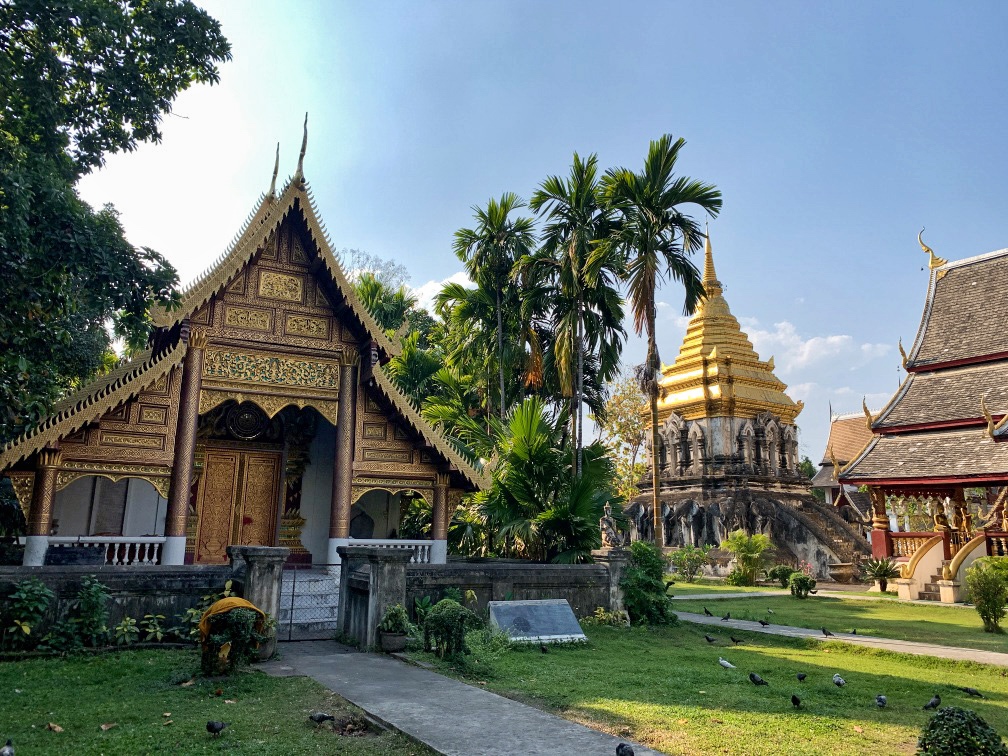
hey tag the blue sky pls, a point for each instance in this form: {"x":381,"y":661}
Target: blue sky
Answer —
{"x":835,"y":132}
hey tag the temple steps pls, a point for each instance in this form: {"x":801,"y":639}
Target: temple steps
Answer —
{"x":930,"y":591}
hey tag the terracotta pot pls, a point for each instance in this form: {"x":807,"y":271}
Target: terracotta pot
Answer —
{"x":392,"y":643}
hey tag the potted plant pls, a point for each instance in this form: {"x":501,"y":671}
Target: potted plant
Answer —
{"x":393,"y":629}
{"x":881,"y":571}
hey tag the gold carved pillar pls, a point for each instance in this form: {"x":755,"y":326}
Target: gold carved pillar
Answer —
{"x":185,"y":447}
{"x":439,"y":526}
{"x":346,"y":421}
{"x":881,"y":538}
{"x":40,"y":511}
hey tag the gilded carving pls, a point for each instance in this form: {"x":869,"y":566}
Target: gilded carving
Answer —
{"x":375,"y":430}
{"x":387,"y":455}
{"x":153,"y":415}
{"x":158,"y":477}
{"x":271,"y":404}
{"x":298,"y":253}
{"x":370,"y":405}
{"x":23,"y":483}
{"x":280,"y":371}
{"x":304,"y":325}
{"x":401,"y":434}
{"x":160,"y":386}
{"x":283,"y":286}
{"x":247,"y":317}
{"x":131,"y":440}
{"x":238,"y":285}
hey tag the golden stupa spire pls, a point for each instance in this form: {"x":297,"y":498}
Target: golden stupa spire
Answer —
{"x":710,"y":281}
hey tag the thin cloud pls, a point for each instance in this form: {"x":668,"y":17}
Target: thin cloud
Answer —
{"x":426,"y":293}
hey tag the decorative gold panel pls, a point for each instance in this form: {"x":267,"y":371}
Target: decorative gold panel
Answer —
{"x":297,"y":253}
{"x":370,"y":405}
{"x":133,"y":441}
{"x":160,"y":386}
{"x":283,"y":286}
{"x":277,"y":371}
{"x":375,"y":430}
{"x":387,"y":455}
{"x":153,"y":414}
{"x":271,"y":404}
{"x":238,"y":285}
{"x":23,"y":483}
{"x":159,"y":477}
{"x":304,"y":325}
{"x":120,"y":414}
{"x":401,"y":434}
{"x":248,"y":317}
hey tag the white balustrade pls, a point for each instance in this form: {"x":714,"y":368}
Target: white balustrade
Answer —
{"x":421,"y":549}
{"x":120,"y":551}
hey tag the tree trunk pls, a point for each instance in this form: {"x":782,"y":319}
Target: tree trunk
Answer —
{"x":580,"y":394}
{"x":652,"y":362}
{"x":500,"y":352}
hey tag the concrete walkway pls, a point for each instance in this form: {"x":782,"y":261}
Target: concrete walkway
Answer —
{"x":445,"y":714}
{"x":828,"y":593}
{"x":886,"y":644}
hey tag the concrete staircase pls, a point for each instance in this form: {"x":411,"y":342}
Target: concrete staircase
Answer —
{"x":930,"y":591}
{"x":834,"y":531}
{"x":309,"y":604}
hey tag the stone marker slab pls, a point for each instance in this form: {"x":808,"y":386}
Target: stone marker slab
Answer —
{"x":545,"y":621}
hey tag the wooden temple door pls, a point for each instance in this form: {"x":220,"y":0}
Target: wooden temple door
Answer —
{"x":237,"y":501}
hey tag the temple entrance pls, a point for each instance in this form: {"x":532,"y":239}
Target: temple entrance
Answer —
{"x":237,"y":501}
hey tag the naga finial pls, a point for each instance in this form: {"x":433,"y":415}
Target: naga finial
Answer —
{"x":835,"y":463}
{"x":299,"y":173}
{"x":935,"y":261}
{"x":987,"y":416}
{"x":903,"y":352}
{"x":276,"y":169}
{"x":867,"y":412}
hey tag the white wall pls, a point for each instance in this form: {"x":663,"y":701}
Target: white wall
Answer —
{"x":316,"y":492}
{"x":145,"y":510}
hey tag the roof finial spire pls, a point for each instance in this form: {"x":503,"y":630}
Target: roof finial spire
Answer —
{"x":710,"y":281}
{"x":299,"y":173}
{"x":935,"y":261}
{"x":276,"y":169}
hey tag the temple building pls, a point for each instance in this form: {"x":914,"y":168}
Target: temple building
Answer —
{"x":261,"y":414}
{"x":848,"y":436}
{"x":728,"y":450}
{"x":935,"y":470}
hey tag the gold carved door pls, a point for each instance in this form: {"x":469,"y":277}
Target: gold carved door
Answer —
{"x":236,"y":502}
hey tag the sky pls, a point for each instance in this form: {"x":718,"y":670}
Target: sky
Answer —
{"x":835,"y":131}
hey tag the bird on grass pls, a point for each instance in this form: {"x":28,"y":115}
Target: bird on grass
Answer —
{"x":934,"y":703}
{"x":854,"y":631}
{"x":881,"y":701}
{"x":770,"y":611}
{"x":215,"y":728}
{"x":725,"y":663}
{"x":826,"y":633}
{"x":706,"y":611}
{"x":726,"y":617}
{"x":318,"y":717}
{"x":709,"y":639}
{"x":764,"y":623}
{"x":756,"y":679}
{"x":669,"y":583}
{"x":734,"y":640}
{"x":7,"y":750}
{"x":838,"y":681}
{"x":795,"y":701}
{"x":624,"y":749}
{"x":814,"y":592}
{"x":973,"y":692}
{"x":542,"y":647}
{"x":801,"y":676}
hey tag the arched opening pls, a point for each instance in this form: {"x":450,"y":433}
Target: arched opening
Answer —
{"x":95,"y":505}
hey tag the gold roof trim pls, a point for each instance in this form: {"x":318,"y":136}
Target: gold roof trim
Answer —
{"x":430,"y":434}
{"x":934,"y":261}
{"x":867,"y":412}
{"x":991,"y":425}
{"x":902,"y":352}
{"x":100,"y":396}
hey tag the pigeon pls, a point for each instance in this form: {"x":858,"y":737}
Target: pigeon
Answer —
{"x":7,"y":750}
{"x":756,"y":679}
{"x":801,"y":676}
{"x":734,"y":640}
{"x":669,"y":583}
{"x":934,"y":703}
{"x":814,"y":592}
{"x":764,"y":623}
{"x":542,"y":647}
{"x":770,"y":611}
{"x":214,"y":728}
{"x":709,"y":639}
{"x":854,"y":631}
{"x":725,"y":663}
{"x":726,"y":617}
{"x":838,"y":681}
{"x":624,"y":749}
{"x":971,"y":691}
{"x":881,"y":701}
{"x":826,"y":633}
{"x":318,"y":717}
{"x":795,"y":701}
{"x":706,"y":611}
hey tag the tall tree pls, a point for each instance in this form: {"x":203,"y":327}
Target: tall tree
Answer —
{"x":490,"y":251}
{"x":580,"y":281}
{"x":80,"y":79}
{"x":622,"y":430}
{"x":657,"y":239}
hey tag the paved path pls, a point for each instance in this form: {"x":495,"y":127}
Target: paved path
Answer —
{"x":886,"y":644}
{"x":841,"y":594}
{"x":445,"y":714}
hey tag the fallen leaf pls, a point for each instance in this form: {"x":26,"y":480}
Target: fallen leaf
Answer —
{"x":166,"y":714}
{"x":17,"y":690}
{"x":229,"y":700}
{"x":481,"y":682}
{"x":167,"y":722}
{"x":108,"y":726}
{"x":187,"y":684}
{"x":858,"y":729}
{"x":54,"y":727}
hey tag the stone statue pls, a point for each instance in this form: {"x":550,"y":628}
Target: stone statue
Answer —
{"x":612,"y":538}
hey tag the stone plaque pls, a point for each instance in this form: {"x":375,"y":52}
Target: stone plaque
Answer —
{"x":546,"y":621}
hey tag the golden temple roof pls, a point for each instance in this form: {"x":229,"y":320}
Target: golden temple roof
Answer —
{"x":717,"y":372}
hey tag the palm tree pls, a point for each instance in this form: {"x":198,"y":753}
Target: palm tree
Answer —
{"x":581,"y":286}
{"x":389,"y":307}
{"x":490,"y":251}
{"x":657,"y":239}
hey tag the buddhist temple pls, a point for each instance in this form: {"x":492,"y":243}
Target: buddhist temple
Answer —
{"x":935,"y":468}
{"x":848,"y":436}
{"x":728,"y":451}
{"x":261,"y":414}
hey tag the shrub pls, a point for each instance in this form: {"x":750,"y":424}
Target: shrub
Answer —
{"x":91,"y":608}
{"x":188,"y":627}
{"x":28,"y":605}
{"x":801,"y":584}
{"x":689,"y":560}
{"x":395,"y":620}
{"x":953,"y":731}
{"x":421,"y":606}
{"x":882,"y":570}
{"x":644,"y":586}
{"x":603,"y":617}
{"x":749,"y":552}
{"x":151,"y":625}
{"x":781,"y":573}
{"x":737,"y":577}
{"x":988,"y":591}
{"x":127,"y":631}
{"x":446,"y":625}
{"x":232,"y":641}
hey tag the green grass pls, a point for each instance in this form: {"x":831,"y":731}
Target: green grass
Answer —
{"x":886,"y":618}
{"x":137,"y":689}
{"x":664,"y":688}
{"x":717,"y":586}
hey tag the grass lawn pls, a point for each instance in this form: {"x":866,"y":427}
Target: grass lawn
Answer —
{"x":949,"y":626}
{"x":664,"y":688}
{"x":717,"y":586}
{"x":139,"y":691}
